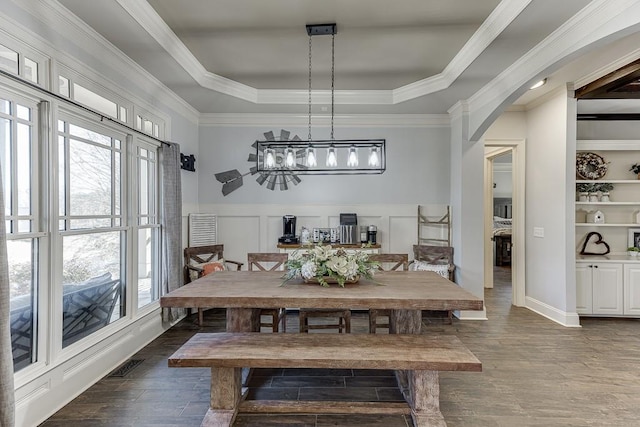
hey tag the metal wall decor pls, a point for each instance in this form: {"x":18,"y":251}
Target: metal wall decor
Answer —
{"x":188,"y":163}
{"x":273,"y":180}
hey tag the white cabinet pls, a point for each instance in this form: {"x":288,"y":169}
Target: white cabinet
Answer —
{"x":584,"y":293}
{"x":632,"y":289}
{"x":599,"y":288}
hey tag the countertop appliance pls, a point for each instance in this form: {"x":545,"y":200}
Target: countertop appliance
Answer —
{"x":289,"y":230}
{"x":349,"y":229}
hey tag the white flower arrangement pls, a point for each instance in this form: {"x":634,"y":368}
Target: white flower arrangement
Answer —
{"x":324,"y":263}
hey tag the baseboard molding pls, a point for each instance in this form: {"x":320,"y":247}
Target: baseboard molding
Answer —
{"x":471,"y":314}
{"x":570,"y":320}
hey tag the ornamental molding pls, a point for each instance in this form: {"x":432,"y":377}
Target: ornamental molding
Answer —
{"x":491,"y":28}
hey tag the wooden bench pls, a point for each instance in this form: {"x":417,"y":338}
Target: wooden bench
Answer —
{"x":422,"y":356}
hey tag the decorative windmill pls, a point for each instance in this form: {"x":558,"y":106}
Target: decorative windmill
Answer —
{"x":232,"y":179}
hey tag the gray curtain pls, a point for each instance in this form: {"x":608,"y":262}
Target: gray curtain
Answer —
{"x":171,"y":223}
{"x":7,"y":397}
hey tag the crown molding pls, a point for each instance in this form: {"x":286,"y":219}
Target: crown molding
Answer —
{"x":494,"y":25}
{"x":56,"y":16}
{"x":496,"y":22}
{"x":351,"y":120}
{"x":343,"y":97}
{"x":148,"y":18}
{"x":599,"y":19}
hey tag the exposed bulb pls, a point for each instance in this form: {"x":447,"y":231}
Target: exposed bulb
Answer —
{"x":269,"y":158}
{"x":352,"y":160}
{"x":374,"y":159}
{"x":311,"y":158}
{"x":332,"y":158}
{"x":289,"y":158}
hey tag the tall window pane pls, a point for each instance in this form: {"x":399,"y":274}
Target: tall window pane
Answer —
{"x":147,"y":266}
{"x":17,"y":159}
{"x":92,"y":250}
{"x":91,"y":283}
{"x":22,"y":284}
{"x":148,"y":232}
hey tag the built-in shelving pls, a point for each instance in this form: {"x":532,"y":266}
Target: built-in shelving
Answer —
{"x":609,"y":285}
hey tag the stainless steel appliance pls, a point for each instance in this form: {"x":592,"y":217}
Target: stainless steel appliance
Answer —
{"x":373,"y":231}
{"x":289,"y":230}
{"x":349,"y":229}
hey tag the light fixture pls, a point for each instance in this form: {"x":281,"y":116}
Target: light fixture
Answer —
{"x":341,"y":156}
{"x":539,"y":83}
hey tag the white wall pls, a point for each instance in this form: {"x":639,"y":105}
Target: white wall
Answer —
{"x":550,"y":273}
{"x":549,"y":131}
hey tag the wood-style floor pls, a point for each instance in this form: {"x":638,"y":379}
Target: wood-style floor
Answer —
{"x":535,"y":373}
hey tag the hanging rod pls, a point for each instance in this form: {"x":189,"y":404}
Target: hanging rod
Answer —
{"x":76,"y":104}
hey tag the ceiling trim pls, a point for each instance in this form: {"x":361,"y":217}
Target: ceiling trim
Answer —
{"x":351,"y":120}
{"x":345,"y":97}
{"x":153,"y":24}
{"x":494,"y":25}
{"x":496,"y":22}
{"x":599,"y":19}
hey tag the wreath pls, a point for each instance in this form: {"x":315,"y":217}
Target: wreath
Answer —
{"x":590,"y":165}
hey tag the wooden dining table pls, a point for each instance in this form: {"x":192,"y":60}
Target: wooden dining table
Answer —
{"x":404,"y":293}
{"x":244,"y":293}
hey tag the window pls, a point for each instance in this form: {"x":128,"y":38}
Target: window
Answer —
{"x":18,"y":159}
{"x":147,"y":224}
{"x":93,"y":243}
{"x":148,"y":125}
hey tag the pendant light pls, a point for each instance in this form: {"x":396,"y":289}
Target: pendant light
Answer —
{"x":341,"y":156}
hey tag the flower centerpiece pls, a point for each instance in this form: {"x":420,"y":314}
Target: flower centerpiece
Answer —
{"x":324,"y":265}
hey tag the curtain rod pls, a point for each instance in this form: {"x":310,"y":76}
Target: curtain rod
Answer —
{"x":78,"y":105}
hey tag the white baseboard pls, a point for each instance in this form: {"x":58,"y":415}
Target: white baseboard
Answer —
{"x":471,"y":314}
{"x":570,"y":320}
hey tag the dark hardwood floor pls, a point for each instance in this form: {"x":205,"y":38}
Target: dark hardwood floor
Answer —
{"x":535,"y":373}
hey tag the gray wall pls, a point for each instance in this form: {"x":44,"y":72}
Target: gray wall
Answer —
{"x":417,"y":168}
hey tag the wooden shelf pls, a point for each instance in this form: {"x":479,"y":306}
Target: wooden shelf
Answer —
{"x":612,"y":181}
{"x":609,"y":203}
{"x":590,"y":224}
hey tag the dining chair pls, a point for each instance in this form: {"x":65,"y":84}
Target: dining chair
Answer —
{"x":202,"y":260}
{"x":387,"y":262}
{"x":270,"y":261}
{"x":438,"y":259}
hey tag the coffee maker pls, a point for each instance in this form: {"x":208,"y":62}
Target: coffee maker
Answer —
{"x":289,"y":230}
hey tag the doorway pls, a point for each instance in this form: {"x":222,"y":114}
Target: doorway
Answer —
{"x":504,"y":215}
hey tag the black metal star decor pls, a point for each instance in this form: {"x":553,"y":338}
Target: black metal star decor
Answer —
{"x":232,"y":179}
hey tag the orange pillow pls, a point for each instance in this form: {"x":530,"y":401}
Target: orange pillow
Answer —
{"x":211,"y":267}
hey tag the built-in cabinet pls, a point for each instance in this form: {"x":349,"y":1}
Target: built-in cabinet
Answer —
{"x":609,"y":285}
{"x":599,"y":288}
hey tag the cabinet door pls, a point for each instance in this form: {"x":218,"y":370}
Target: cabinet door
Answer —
{"x":607,"y":288}
{"x":632,"y":289}
{"x":583,"y":288}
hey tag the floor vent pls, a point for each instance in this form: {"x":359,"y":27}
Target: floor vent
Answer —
{"x":124,"y":369}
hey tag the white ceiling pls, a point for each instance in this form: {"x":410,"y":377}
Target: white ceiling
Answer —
{"x":251,"y":56}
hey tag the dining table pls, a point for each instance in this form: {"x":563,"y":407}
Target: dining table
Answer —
{"x":404,"y":293}
{"x":244,"y":293}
